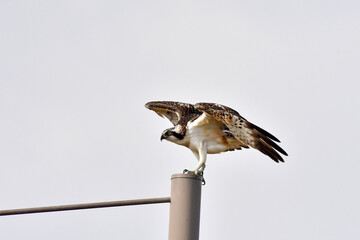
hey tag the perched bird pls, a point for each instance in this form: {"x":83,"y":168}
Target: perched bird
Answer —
{"x":209,"y":128}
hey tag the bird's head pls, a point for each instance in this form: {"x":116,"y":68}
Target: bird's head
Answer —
{"x":171,"y":135}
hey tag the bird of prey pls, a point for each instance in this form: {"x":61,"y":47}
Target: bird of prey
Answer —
{"x":209,"y":128}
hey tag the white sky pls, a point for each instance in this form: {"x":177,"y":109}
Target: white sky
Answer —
{"x":75,"y":76}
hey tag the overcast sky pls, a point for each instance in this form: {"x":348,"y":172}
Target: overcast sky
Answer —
{"x":74,"y":78}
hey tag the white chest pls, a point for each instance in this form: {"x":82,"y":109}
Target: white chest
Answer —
{"x":206,"y":133}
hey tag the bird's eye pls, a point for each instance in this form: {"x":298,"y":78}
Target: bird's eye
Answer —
{"x":169,"y":133}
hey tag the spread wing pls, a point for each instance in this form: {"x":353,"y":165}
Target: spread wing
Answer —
{"x":244,"y":131}
{"x":176,"y":112}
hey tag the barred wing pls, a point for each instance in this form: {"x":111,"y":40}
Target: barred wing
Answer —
{"x":244,"y":131}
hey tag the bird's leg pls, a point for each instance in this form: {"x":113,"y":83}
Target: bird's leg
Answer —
{"x":202,"y":151}
{"x":186,"y":171}
{"x":202,"y":168}
{"x":201,"y":156}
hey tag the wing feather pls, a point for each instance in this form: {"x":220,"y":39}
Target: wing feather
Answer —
{"x":176,"y":112}
{"x":244,"y":131}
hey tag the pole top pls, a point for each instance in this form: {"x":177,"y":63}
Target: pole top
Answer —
{"x":189,"y":176}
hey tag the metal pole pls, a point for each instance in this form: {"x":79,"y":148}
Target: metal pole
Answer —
{"x":84,"y":206}
{"x":185,"y":207}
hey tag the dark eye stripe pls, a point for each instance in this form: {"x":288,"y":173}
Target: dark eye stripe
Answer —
{"x":178,"y":136}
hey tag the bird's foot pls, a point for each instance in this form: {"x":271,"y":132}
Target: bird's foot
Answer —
{"x":202,"y":180}
{"x":196,"y":172}
{"x":186,"y":171}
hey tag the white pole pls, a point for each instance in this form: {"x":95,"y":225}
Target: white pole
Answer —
{"x":185,"y":201}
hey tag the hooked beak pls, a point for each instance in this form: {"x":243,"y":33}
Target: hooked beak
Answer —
{"x":165,"y":134}
{"x":162,"y":137}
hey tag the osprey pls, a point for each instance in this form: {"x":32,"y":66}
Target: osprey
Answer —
{"x":209,"y":128}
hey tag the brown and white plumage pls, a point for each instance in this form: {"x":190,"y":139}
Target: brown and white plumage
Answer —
{"x":213,"y":128}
